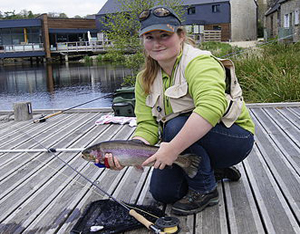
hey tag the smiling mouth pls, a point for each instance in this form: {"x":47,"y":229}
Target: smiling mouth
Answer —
{"x":156,"y":51}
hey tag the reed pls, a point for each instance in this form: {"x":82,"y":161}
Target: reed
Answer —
{"x":268,"y":73}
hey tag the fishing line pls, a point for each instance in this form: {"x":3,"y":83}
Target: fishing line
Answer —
{"x":92,"y":189}
{"x":75,"y":170}
{"x":43,"y":118}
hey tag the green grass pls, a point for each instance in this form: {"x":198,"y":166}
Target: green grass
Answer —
{"x":271,"y":74}
{"x":219,"y":49}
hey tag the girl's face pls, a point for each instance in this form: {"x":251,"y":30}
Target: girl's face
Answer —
{"x":162,"y":46}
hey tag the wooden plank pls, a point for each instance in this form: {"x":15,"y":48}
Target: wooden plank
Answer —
{"x":295,"y":110}
{"x":274,"y":210}
{"x":240,"y":203}
{"x":24,"y":141}
{"x":274,"y":105}
{"x":291,"y":130}
{"x":291,"y":116}
{"x":213,"y":219}
{"x":23,"y":174}
{"x":145,"y":198}
{"x":16,"y":138}
{"x":58,"y":206}
{"x":45,"y":186}
{"x":13,"y":165}
{"x":282,"y":169}
{"x":74,"y":216}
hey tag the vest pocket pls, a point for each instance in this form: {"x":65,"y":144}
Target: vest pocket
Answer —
{"x":179,"y":98}
{"x":233,"y":111}
{"x":152,"y":101}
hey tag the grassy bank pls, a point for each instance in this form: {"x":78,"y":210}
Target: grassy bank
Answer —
{"x":270,"y":73}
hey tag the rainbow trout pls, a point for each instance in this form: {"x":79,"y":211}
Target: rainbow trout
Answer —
{"x":134,"y":153}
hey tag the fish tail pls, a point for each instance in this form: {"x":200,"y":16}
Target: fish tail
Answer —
{"x":192,"y":169}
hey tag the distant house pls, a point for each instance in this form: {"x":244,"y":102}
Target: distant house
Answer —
{"x":283,"y":20}
{"x":41,"y":36}
{"x":235,"y":19}
{"x":272,"y":21}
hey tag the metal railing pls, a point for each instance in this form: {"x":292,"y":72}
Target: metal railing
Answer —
{"x":29,"y":47}
{"x":285,"y":33}
{"x":78,"y":46}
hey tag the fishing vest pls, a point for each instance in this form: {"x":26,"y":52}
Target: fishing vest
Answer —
{"x":179,"y":97}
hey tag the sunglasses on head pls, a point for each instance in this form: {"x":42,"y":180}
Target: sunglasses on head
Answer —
{"x":159,"y":12}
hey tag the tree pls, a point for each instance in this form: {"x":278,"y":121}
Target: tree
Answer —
{"x":10,"y":15}
{"x":62,"y":15}
{"x":122,"y":30}
{"x":57,"y":15}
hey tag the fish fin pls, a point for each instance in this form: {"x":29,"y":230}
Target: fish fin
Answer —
{"x":192,"y":170}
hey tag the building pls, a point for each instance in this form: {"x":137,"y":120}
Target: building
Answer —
{"x":272,"y":21}
{"x":23,"y":37}
{"x":283,"y":20}
{"x":43,"y":36}
{"x":235,"y":19}
{"x":290,"y":19}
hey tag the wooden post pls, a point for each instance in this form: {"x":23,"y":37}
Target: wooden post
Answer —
{"x":22,"y":111}
{"x":46,"y":36}
{"x":66,"y":58}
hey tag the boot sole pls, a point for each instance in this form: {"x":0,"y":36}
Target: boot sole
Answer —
{"x":230,"y":173}
{"x":212,"y":202}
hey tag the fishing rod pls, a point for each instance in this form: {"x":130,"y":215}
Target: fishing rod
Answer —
{"x":41,"y":150}
{"x":44,"y":118}
{"x":163,"y":225}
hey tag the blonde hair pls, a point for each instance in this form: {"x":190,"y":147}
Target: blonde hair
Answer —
{"x":151,"y":66}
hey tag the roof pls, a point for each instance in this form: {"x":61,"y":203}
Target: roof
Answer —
{"x":274,"y":8}
{"x":112,"y":6}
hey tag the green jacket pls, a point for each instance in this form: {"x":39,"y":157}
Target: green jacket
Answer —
{"x":206,"y":85}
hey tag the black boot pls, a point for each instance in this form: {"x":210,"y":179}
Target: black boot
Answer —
{"x":230,"y":173}
{"x":195,"y":202}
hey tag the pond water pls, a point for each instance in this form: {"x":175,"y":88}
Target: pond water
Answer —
{"x":59,"y":86}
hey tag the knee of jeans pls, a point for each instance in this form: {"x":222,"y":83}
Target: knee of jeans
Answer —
{"x":164,"y":196}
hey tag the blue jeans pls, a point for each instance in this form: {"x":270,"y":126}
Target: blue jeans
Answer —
{"x":221,"y":147}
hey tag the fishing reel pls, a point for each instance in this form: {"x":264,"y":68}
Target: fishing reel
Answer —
{"x":167,"y":225}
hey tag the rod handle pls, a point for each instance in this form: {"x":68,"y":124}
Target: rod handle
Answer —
{"x":47,"y":117}
{"x":140,"y":218}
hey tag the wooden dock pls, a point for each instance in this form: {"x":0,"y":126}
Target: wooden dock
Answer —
{"x":40,"y":194}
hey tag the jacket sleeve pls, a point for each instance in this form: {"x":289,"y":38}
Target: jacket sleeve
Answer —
{"x":206,"y":80}
{"x":147,"y":127}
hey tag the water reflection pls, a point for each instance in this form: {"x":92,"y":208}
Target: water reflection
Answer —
{"x":59,"y":86}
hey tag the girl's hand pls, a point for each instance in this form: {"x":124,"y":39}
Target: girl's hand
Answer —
{"x":113,"y":162}
{"x":166,"y":155}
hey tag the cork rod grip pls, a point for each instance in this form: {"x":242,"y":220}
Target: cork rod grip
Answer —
{"x":140,"y":218}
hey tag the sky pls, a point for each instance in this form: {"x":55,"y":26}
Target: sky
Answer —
{"x":69,"y":7}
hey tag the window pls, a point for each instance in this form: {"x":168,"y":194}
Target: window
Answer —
{"x":297,"y":16}
{"x":217,"y":27}
{"x":286,"y":22}
{"x":216,"y":8}
{"x":191,"y":10}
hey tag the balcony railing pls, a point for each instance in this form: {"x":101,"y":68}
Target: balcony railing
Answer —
{"x":29,"y":47}
{"x":78,"y":46}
